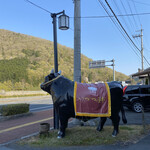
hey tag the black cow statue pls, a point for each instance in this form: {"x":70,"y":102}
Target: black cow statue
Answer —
{"x":62,"y":91}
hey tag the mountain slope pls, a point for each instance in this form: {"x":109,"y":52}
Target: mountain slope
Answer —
{"x":25,"y":61}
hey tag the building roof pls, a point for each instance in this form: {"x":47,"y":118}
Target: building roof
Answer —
{"x":146,"y":72}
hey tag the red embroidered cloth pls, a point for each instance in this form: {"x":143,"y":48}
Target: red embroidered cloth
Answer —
{"x":92,"y":100}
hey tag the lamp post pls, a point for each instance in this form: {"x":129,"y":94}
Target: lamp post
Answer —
{"x":63,"y":25}
{"x":63,"y":21}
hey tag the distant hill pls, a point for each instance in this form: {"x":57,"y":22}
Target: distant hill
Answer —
{"x":25,"y":61}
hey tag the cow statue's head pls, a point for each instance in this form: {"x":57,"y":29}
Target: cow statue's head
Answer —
{"x":45,"y":86}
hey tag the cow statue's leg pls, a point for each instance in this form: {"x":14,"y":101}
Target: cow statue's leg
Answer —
{"x":101,"y":123}
{"x":63,"y":126}
{"x":115,"y":120}
{"x":63,"y":123}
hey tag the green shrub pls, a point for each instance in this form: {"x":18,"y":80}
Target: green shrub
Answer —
{"x":13,"y":109}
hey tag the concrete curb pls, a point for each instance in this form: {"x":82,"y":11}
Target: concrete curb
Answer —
{"x":4,"y":118}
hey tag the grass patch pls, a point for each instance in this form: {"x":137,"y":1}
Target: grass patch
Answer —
{"x":13,"y":109}
{"x":81,"y":136}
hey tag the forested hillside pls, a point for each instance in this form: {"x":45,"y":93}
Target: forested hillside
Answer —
{"x":26,"y":60}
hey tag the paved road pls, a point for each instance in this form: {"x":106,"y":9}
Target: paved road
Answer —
{"x":37,"y":103}
{"x":40,"y":107}
{"x":19,"y":127}
{"x":134,"y":118}
{"x":29,"y":100}
{"x":41,"y":111}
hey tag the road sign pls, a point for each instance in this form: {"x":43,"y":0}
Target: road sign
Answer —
{"x":97,"y":64}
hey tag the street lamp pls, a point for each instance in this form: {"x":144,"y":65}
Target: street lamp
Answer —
{"x":63,"y":22}
{"x":63,"y":25}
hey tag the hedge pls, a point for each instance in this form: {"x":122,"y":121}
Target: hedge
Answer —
{"x":13,"y":109}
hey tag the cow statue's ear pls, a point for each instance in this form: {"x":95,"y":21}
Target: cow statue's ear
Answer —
{"x":59,"y":72}
{"x":52,"y":71}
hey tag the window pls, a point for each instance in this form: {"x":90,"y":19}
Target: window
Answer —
{"x":135,"y":90}
{"x":132,"y":90}
{"x":145,"y":90}
{"x":128,"y":90}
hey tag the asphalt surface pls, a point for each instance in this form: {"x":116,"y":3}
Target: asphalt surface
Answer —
{"x":40,"y":107}
{"x":23,"y":126}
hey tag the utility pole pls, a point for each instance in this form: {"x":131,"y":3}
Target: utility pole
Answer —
{"x":77,"y":40}
{"x":113,"y":69}
{"x":77,"y":45}
{"x":141,"y":36}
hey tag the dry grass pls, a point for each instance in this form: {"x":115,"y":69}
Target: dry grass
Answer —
{"x":78,"y":136}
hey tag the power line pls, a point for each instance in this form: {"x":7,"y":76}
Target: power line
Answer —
{"x":122,"y":33}
{"x":118,"y":27}
{"x":122,"y":26}
{"x":129,"y":21}
{"x":131,"y":12}
{"x":136,"y":11}
{"x":124,"y":20}
{"x":124,"y":30}
{"x":147,"y":4}
{"x":124,"y":15}
{"x":71,"y":29}
{"x":100,"y":17}
{"x":38,"y":6}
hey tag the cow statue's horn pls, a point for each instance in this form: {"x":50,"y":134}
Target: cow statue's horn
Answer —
{"x":52,"y":71}
{"x":59,"y":72}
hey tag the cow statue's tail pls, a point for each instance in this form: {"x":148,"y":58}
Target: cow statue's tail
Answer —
{"x":123,"y":115}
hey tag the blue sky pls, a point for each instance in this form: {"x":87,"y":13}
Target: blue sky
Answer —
{"x":100,"y":38}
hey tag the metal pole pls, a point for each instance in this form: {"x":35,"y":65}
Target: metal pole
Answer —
{"x":55,"y":113}
{"x":113,"y":69}
{"x":55,"y":43}
{"x":77,"y":41}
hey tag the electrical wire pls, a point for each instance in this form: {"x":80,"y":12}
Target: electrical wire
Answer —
{"x":97,"y":17}
{"x":124,"y":15}
{"x":125,"y":30}
{"x":38,"y":6}
{"x":136,"y":11}
{"x":129,"y":21}
{"x":118,"y":27}
{"x":122,"y":26}
{"x":116,"y":5}
{"x":147,"y":4}
{"x":132,"y":16}
{"x":140,"y":23}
